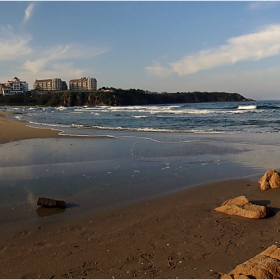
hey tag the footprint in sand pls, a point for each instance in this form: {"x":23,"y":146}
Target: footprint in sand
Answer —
{"x":21,"y":234}
{"x":40,"y":244}
{"x":2,"y":248}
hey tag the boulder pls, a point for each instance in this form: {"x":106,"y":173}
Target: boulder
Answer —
{"x":265,"y":265}
{"x":240,"y":206}
{"x":270,"y":180}
{"x":51,"y":203}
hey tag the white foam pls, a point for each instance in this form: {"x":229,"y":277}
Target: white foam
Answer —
{"x":247,"y":107}
{"x":139,"y":117}
{"x":48,"y":124}
{"x":61,"y":108}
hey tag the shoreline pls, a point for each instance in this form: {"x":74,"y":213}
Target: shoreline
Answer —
{"x":13,"y":130}
{"x":168,"y":236}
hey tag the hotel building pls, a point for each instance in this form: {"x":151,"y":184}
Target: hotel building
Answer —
{"x":14,"y":86}
{"x":50,"y":84}
{"x":83,"y":84}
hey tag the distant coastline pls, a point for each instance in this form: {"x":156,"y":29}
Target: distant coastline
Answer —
{"x":114,"y":97}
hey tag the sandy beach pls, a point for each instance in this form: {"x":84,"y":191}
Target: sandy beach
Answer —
{"x":176,"y":235}
{"x":12,"y":130}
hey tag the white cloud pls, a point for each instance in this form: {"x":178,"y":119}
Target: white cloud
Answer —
{"x":65,"y":70}
{"x":34,"y":66}
{"x":158,"y":70}
{"x":73,"y":51}
{"x":53,"y":55}
{"x":25,"y":60}
{"x":19,"y":58}
{"x":61,"y":70}
{"x":260,"y":5}
{"x":28,"y":12}
{"x":255,"y":46}
{"x":12,"y":45}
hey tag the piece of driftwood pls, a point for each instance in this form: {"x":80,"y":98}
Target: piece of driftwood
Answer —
{"x":51,"y":203}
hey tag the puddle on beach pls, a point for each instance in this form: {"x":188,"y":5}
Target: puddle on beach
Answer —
{"x":96,"y":173}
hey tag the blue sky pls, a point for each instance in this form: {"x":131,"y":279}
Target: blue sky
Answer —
{"x":156,"y":46}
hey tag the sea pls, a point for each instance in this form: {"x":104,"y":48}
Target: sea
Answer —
{"x":129,"y":153}
{"x":216,"y":117}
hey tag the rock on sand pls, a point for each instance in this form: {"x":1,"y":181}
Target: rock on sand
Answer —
{"x":270,"y":180}
{"x":265,"y":265}
{"x":240,"y":206}
{"x":51,"y":203}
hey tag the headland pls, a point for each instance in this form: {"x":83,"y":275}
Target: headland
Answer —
{"x":114,"y":97}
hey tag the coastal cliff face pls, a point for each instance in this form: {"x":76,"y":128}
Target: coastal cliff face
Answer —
{"x":116,"y":97}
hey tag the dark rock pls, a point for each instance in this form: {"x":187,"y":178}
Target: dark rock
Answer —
{"x":51,"y":203}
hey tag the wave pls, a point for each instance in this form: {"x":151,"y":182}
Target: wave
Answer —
{"x":119,"y":128}
{"x":49,"y":124}
{"x":202,"y":111}
{"x":129,"y":109}
{"x":247,"y":107}
{"x":259,"y":107}
{"x":60,"y":108}
{"x":268,"y":107}
{"x":19,"y":118}
{"x":139,"y":117}
{"x":147,"y":129}
{"x":85,"y":110}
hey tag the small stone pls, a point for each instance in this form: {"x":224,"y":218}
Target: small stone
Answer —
{"x":51,"y":203}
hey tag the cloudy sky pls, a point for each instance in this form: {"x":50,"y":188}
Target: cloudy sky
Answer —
{"x":156,"y":46}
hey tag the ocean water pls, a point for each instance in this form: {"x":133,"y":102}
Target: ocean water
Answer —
{"x":218,"y":117}
{"x":147,"y":151}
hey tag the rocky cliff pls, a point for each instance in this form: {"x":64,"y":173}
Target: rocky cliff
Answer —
{"x":116,"y":97}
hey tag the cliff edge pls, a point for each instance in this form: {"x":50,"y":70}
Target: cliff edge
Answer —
{"x":115,"y":97}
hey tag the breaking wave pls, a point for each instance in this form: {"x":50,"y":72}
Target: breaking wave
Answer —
{"x":247,"y":107}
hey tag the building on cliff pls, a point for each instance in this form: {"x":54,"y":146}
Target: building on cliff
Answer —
{"x":50,"y":84}
{"x":14,"y":86}
{"x":83,"y":84}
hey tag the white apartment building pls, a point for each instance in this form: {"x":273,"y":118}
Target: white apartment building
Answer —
{"x":14,"y":86}
{"x":50,"y":84}
{"x":83,"y":84}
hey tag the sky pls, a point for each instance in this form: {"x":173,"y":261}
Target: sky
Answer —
{"x":157,"y":46}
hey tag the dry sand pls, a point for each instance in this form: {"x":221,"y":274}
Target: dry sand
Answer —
{"x":172,"y":236}
{"x":12,"y":130}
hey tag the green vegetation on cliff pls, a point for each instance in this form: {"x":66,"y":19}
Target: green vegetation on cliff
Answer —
{"x":114,"y":97}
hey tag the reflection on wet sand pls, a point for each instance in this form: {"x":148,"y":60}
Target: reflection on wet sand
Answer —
{"x":44,"y":211}
{"x":100,"y":173}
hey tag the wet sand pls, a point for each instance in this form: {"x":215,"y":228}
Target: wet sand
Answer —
{"x":171,"y":236}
